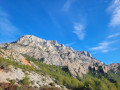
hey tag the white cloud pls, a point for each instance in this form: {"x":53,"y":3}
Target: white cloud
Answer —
{"x":114,"y":8}
{"x":69,"y":44}
{"x":7,"y":29}
{"x":104,"y":47}
{"x":67,"y":4}
{"x":79,"y":30}
{"x":114,"y":35}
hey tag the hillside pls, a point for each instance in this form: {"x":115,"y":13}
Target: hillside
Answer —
{"x":41,"y":64}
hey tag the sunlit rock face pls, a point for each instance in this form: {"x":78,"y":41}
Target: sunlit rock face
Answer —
{"x":114,"y":67}
{"x":50,"y":52}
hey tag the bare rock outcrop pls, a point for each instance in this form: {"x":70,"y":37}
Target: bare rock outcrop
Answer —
{"x":18,"y":74}
{"x":114,"y":67}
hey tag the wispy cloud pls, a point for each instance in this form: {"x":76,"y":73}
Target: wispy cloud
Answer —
{"x":67,"y":5}
{"x":104,"y":47}
{"x":79,"y":30}
{"x":69,"y":44}
{"x":7,"y":29}
{"x":114,"y":35}
{"x":114,"y":8}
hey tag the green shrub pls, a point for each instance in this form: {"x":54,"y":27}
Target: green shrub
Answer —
{"x":25,"y":81}
{"x":12,"y":82}
{"x":118,"y":84}
{"x":52,"y":84}
{"x":0,"y":88}
{"x":44,"y":79}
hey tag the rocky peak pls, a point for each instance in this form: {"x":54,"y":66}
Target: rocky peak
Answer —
{"x":27,"y":39}
{"x":30,"y":39}
{"x":53,"y":42}
{"x":114,"y":67}
{"x":86,"y":53}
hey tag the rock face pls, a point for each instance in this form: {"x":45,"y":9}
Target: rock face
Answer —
{"x":18,"y":74}
{"x":12,"y":55}
{"x":50,"y":52}
{"x":114,"y":67}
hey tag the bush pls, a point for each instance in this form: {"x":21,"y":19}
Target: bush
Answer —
{"x":118,"y":84}
{"x":44,"y":79}
{"x":25,"y":81}
{"x":12,"y":82}
{"x":89,"y":84}
{"x":52,"y":84}
{"x":0,"y":88}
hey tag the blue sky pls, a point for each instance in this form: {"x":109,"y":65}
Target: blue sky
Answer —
{"x":85,"y":25}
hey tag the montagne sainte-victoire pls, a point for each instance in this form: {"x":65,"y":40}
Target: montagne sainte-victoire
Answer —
{"x":31,"y":63}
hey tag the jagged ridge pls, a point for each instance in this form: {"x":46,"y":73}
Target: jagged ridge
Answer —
{"x":50,"y":52}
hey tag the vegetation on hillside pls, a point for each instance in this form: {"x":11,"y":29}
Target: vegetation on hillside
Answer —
{"x":92,"y":81}
{"x":96,"y":80}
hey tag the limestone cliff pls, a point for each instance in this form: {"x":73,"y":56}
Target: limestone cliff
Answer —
{"x":50,"y":52}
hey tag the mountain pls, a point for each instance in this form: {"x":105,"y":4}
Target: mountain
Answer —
{"x":42,"y":55}
{"x":50,"y":52}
